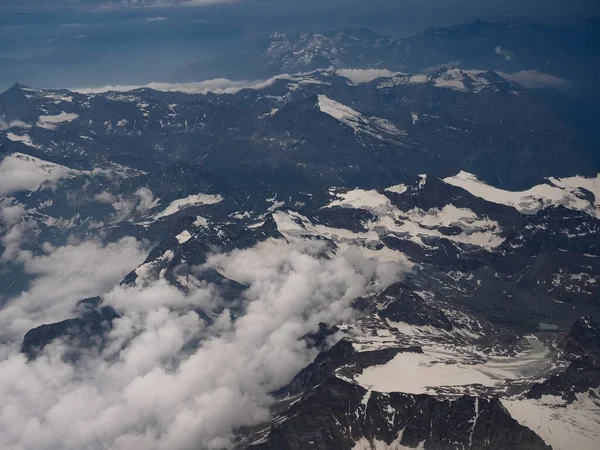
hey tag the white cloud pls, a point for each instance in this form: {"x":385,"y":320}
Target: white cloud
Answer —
{"x":14,"y":230}
{"x":146,"y":200}
{"x":126,"y":207}
{"x":156,"y":19}
{"x":105,"y":197}
{"x":217,"y":86}
{"x":10,"y":213}
{"x":19,"y":172}
{"x":535,"y":79}
{"x":117,"y":4}
{"x":446,"y":65}
{"x":64,"y":275}
{"x":365,"y":75}
{"x":75,"y":25}
{"x":14,"y":237}
{"x":155,"y":393}
{"x":507,"y":54}
{"x":155,"y":3}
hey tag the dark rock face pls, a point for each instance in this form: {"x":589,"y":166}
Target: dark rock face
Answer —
{"x":581,"y":375}
{"x":85,"y":331}
{"x":319,"y":338}
{"x":583,"y":342}
{"x":337,"y":415}
{"x":348,"y":219}
{"x":404,"y":305}
{"x":584,"y":338}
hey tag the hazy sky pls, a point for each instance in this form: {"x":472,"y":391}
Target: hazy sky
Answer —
{"x":99,"y":42}
{"x":512,"y":6}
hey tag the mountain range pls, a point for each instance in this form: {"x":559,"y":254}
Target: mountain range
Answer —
{"x":461,"y":201}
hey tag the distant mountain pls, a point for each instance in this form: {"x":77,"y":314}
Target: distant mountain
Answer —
{"x":569,"y":54}
{"x":281,"y":52}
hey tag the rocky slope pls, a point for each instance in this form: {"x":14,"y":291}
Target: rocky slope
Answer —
{"x":460,"y":180}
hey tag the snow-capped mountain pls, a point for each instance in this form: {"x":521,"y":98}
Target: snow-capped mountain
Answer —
{"x":431,"y":337}
{"x":438,"y":121}
{"x":476,"y":337}
{"x":448,"y":222}
{"x":92,"y":158}
{"x":515,"y":46}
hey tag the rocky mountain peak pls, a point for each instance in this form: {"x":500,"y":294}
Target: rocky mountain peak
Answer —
{"x":584,"y":337}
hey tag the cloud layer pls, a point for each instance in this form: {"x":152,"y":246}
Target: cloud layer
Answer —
{"x":163,"y":3}
{"x":61,"y":277}
{"x":365,"y":75}
{"x":534,"y":79}
{"x":217,"y":86}
{"x":19,"y":172}
{"x":166,"y":379}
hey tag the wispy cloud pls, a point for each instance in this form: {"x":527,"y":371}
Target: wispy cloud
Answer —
{"x":156,"y":19}
{"x":507,"y":54}
{"x":14,"y":229}
{"x":365,"y":75}
{"x":446,"y":65}
{"x":19,"y":172}
{"x":62,"y":276}
{"x":127,"y":206}
{"x":535,"y":79}
{"x":217,"y":86}
{"x":75,"y":25}
{"x":162,"y":3}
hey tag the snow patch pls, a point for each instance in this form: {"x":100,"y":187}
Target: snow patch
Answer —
{"x":461,"y":80}
{"x":59,"y":98}
{"x":201,"y":222}
{"x":441,"y":366}
{"x":574,"y":184}
{"x":563,"y":192}
{"x":144,"y":272}
{"x":398,"y":189}
{"x":418,"y":79}
{"x":417,"y":223}
{"x":563,"y":426}
{"x":51,"y":122}
{"x":362,"y":199}
{"x":374,"y":126}
{"x":188,"y":202}
{"x":451,"y":79}
{"x":376,"y":444}
{"x":269,"y":114}
{"x":183,"y":237}
{"x":25,"y":139}
{"x":338,"y":111}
